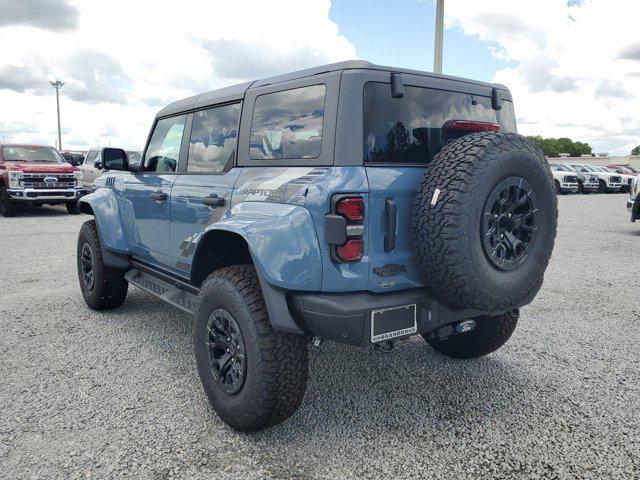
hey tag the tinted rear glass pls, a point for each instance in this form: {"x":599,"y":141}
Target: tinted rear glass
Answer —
{"x":409,"y":129}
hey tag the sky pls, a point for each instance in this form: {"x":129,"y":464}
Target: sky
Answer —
{"x":573,"y":66}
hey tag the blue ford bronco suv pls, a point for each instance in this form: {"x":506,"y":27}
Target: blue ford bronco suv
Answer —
{"x":349,"y":202}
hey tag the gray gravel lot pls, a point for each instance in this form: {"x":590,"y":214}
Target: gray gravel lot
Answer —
{"x":104,"y":395}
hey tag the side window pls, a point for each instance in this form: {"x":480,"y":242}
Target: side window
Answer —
{"x":91,"y":156}
{"x":288,"y":124}
{"x":98,"y":155}
{"x":164,"y":148}
{"x":213,"y":139}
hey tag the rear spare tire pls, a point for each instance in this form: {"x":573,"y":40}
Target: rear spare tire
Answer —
{"x":484,"y":221}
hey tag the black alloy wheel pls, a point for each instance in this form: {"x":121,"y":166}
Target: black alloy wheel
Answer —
{"x":226,"y":350}
{"x":509,"y":223}
{"x":86,"y":259}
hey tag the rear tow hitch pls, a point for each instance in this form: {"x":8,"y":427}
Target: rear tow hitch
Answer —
{"x":385,"y":346}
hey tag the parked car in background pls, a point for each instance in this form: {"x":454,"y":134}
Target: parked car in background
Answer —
{"x":587,"y":182}
{"x":608,"y":182}
{"x":633,"y":202}
{"x":565,"y":180}
{"x":72,"y":158}
{"x":36,"y":175}
{"x":627,"y":178}
{"x":92,"y":165}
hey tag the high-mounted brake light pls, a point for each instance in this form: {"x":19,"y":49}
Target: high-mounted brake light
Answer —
{"x":472,"y":126}
{"x":351,"y":208}
{"x":352,"y":251}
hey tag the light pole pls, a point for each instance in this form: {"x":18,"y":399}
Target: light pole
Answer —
{"x":437,"y":54}
{"x":58,"y":85}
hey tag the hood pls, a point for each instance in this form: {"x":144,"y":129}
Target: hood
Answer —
{"x":39,"y":167}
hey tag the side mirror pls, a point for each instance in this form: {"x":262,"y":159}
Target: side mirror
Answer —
{"x":97,"y":164}
{"x":115,"y":159}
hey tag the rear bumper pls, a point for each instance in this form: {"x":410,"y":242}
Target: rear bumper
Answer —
{"x":346,"y":317}
{"x":58,"y":195}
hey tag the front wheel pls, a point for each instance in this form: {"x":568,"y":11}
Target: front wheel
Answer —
{"x":602,"y":186}
{"x":7,"y":207}
{"x":254,"y":376}
{"x":489,"y":335}
{"x":102,"y":287}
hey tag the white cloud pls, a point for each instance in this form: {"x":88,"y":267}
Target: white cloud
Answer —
{"x":121,"y":61}
{"x":576,"y":68}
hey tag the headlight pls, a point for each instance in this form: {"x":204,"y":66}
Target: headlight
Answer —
{"x":14,"y":179}
{"x":79,"y":177}
{"x":567,"y":179}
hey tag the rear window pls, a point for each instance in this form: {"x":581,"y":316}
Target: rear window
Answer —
{"x":288,"y":124}
{"x":409,"y":129}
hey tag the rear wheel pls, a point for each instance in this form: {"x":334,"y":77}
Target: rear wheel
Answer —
{"x":102,"y":287}
{"x":7,"y":206}
{"x":489,"y":335}
{"x":255,"y":377}
{"x":484,"y":221}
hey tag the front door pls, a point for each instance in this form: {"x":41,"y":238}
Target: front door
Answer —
{"x":148,"y":193}
{"x":201,"y":194}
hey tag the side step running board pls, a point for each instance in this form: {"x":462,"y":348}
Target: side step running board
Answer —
{"x":164,"y":290}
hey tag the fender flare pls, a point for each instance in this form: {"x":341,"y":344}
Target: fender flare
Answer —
{"x":282,"y":241}
{"x":270,"y":231}
{"x":103,"y":205}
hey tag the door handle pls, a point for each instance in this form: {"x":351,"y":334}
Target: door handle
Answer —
{"x":159,"y":196}
{"x":390,"y":237}
{"x":213,"y":201}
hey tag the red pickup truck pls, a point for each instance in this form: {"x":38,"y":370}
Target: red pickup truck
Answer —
{"x":36,"y":175}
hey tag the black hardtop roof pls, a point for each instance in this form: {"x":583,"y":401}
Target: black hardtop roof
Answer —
{"x":236,"y":92}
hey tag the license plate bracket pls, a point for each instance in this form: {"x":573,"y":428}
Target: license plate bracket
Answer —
{"x":393,"y":322}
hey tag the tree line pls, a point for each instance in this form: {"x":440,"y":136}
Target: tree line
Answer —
{"x":553,"y":147}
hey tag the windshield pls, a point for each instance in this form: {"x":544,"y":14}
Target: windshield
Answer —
{"x":625,"y":169}
{"x":31,"y":154}
{"x":560,"y":168}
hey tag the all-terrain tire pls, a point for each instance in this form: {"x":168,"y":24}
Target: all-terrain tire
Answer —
{"x":108,"y":287}
{"x":7,"y":208}
{"x":451,"y":206}
{"x":276,"y":363}
{"x":489,"y":335}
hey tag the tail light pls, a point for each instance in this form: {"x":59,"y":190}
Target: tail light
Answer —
{"x":344,"y":228}
{"x":473,"y":126}
{"x":351,"y":208}
{"x":351,"y":251}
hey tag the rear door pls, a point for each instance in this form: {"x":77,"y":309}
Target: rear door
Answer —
{"x":201,"y":194}
{"x":148,"y":193}
{"x":401,"y":137}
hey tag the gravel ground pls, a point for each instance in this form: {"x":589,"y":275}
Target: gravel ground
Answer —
{"x":107,"y":395}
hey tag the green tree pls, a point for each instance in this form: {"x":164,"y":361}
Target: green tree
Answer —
{"x":553,"y":147}
{"x":636,"y":150}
